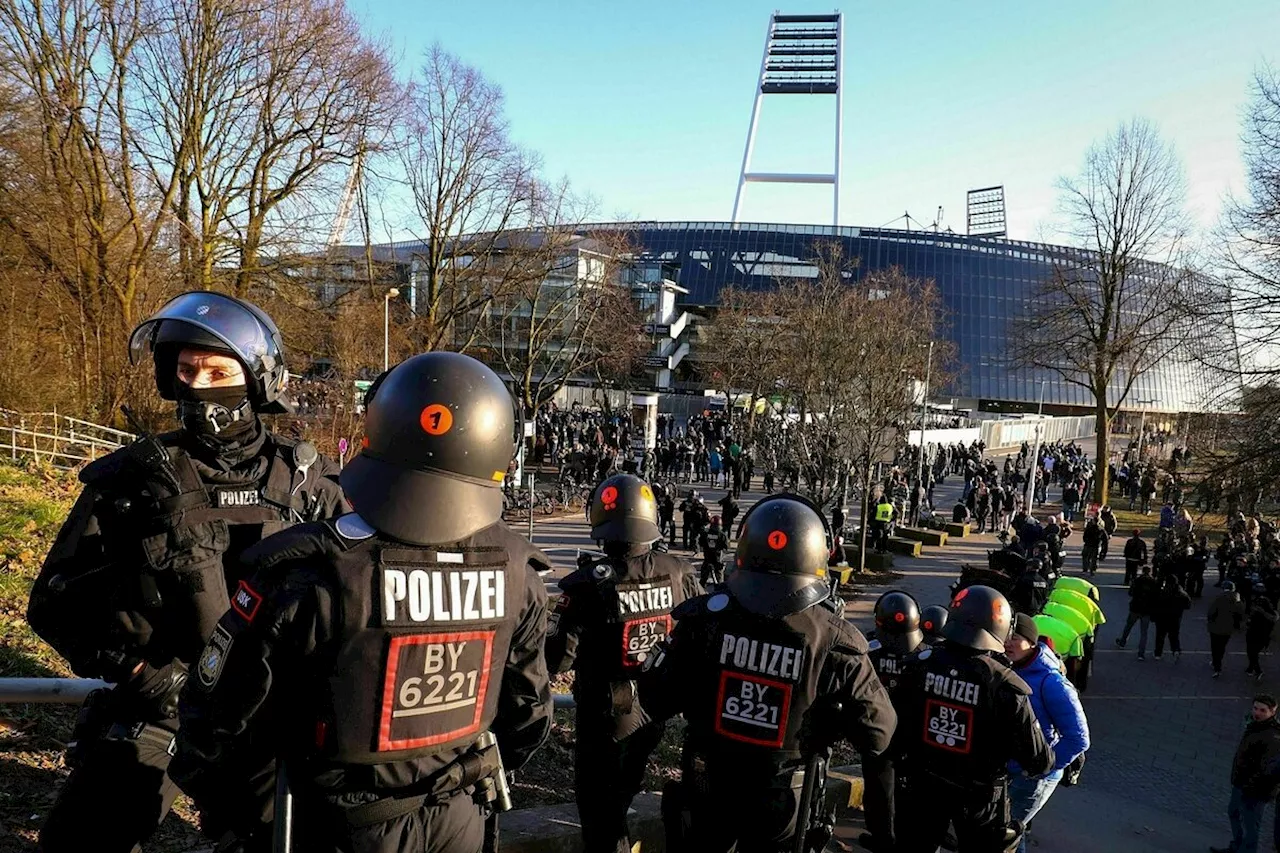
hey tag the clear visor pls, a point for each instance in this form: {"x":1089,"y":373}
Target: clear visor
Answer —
{"x":224,"y":318}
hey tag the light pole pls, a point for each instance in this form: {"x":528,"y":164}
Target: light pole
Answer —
{"x":924,"y":408}
{"x":1142,"y":430}
{"x":1028,"y":491}
{"x":386,"y":327}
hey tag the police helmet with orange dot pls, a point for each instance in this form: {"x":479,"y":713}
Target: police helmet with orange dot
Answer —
{"x":897,"y":617}
{"x":623,"y":509}
{"x":780,"y":565}
{"x":439,"y":434}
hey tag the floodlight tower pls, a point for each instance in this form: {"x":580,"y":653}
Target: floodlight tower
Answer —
{"x":801,"y":57}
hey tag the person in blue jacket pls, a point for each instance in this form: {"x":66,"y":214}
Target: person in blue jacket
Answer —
{"x":1058,"y":710}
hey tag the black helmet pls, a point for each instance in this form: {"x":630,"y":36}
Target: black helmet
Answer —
{"x":980,"y":618}
{"x":439,"y":435}
{"x":932,"y":620}
{"x":898,"y":622}
{"x":780,"y":564}
{"x":221,"y":323}
{"x":623,"y":509}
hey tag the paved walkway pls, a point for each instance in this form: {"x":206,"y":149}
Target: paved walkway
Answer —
{"x":1164,"y":733}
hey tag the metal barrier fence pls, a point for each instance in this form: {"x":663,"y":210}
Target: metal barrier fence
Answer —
{"x":1011,"y":433}
{"x":60,"y":440}
{"x":71,"y":691}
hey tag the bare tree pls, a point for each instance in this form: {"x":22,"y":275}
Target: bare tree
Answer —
{"x":83,"y":208}
{"x":1250,"y":248}
{"x":1115,"y":308}
{"x":842,"y":354}
{"x":472,"y":188}
{"x":273,"y":107}
{"x":549,"y":326}
{"x":742,"y":346}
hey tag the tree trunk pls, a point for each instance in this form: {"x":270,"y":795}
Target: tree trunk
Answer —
{"x":1103,"y":453}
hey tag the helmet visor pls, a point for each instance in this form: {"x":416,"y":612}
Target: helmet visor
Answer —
{"x":227,"y":320}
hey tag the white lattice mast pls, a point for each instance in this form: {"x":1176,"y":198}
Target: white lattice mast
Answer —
{"x":802,"y":56}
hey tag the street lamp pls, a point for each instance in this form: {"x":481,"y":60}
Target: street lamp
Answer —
{"x":386,"y":327}
{"x":1028,"y":491}
{"x":1142,"y":430}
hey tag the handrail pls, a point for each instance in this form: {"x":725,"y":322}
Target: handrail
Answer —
{"x":69,"y":691}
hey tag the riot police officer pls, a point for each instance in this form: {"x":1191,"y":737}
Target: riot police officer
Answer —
{"x":612,"y":612}
{"x":747,"y":666}
{"x":714,"y":542}
{"x":146,"y":563}
{"x":389,"y":647}
{"x":965,"y":715}
{"x":896,"y":638}
{"x":932,"y":620}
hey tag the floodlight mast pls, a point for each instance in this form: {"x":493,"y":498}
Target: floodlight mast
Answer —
{"x":802,"y":56}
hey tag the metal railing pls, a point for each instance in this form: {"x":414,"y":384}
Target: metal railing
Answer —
{"x":71,"y":691}
{"x":60,"y":440}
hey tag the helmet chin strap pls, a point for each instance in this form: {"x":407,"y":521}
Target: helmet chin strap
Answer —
{"x":216,"y":416}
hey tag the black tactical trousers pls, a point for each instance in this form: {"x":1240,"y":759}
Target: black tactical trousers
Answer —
{"x":607,"y":776}
{"x":117,"y":795}
{"x":928,"y":806}
{"x":453,"y":826}
{"x":736,"y":818}
{"x":877,"y":799}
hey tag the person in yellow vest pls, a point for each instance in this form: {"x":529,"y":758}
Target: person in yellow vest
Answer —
{"x":883,"y":516}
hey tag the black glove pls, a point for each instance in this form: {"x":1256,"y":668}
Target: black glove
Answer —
{"x":822,"y":726}
{"x":154,"y":692}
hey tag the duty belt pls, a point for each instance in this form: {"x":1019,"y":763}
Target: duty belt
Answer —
{"x":464,"y":772}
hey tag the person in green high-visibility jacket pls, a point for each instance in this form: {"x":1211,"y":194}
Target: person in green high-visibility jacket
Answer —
{"x":1079,"y":585}
{"x":1077,"y":620}
{"x":1092,"y":614}
{"x":1082,"y":603}
{"x":1067,"y":643}
{"x":883,"y":518}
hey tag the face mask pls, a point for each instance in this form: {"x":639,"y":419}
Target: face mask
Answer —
{"x":221,"y":412}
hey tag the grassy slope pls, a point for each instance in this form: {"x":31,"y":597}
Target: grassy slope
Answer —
{"x":34,"y":501}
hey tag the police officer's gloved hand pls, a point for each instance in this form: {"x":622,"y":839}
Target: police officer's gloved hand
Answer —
{"x":155,"y":691}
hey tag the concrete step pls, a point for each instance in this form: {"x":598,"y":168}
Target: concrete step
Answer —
{"x":958,"y":531}
{"x":906,"y":547}
{"x":923,"y":535}
{"x":876,"y":561}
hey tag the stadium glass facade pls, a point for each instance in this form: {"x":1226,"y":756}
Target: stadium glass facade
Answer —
{"x":984,"y":282}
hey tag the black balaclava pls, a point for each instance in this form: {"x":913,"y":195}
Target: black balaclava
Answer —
{"x":221,"y":414}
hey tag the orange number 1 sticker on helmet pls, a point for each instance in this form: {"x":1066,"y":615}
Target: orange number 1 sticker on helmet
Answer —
{"x":777,"y":540}
{"x":436,"y":419}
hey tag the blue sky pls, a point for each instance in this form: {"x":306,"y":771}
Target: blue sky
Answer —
{"x":645,"y":105}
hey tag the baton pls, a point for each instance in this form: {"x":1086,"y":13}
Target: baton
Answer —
{"x":812,"y":772}
{"x":282,"y":826}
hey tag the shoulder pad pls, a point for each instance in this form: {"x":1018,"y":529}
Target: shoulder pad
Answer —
{"x":300,"y":541}
{"x":848,"y":639}
{"x":698,"y":606}
{"x":101,"y":470}
{"x":350,"y":528}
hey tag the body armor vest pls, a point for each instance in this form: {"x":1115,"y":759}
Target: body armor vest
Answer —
{"x":890,"y":667}
{"x":762,"y":679}
{"x":180,"y":537}
{"x":959,"y":738}
{"x":423,"y":635}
